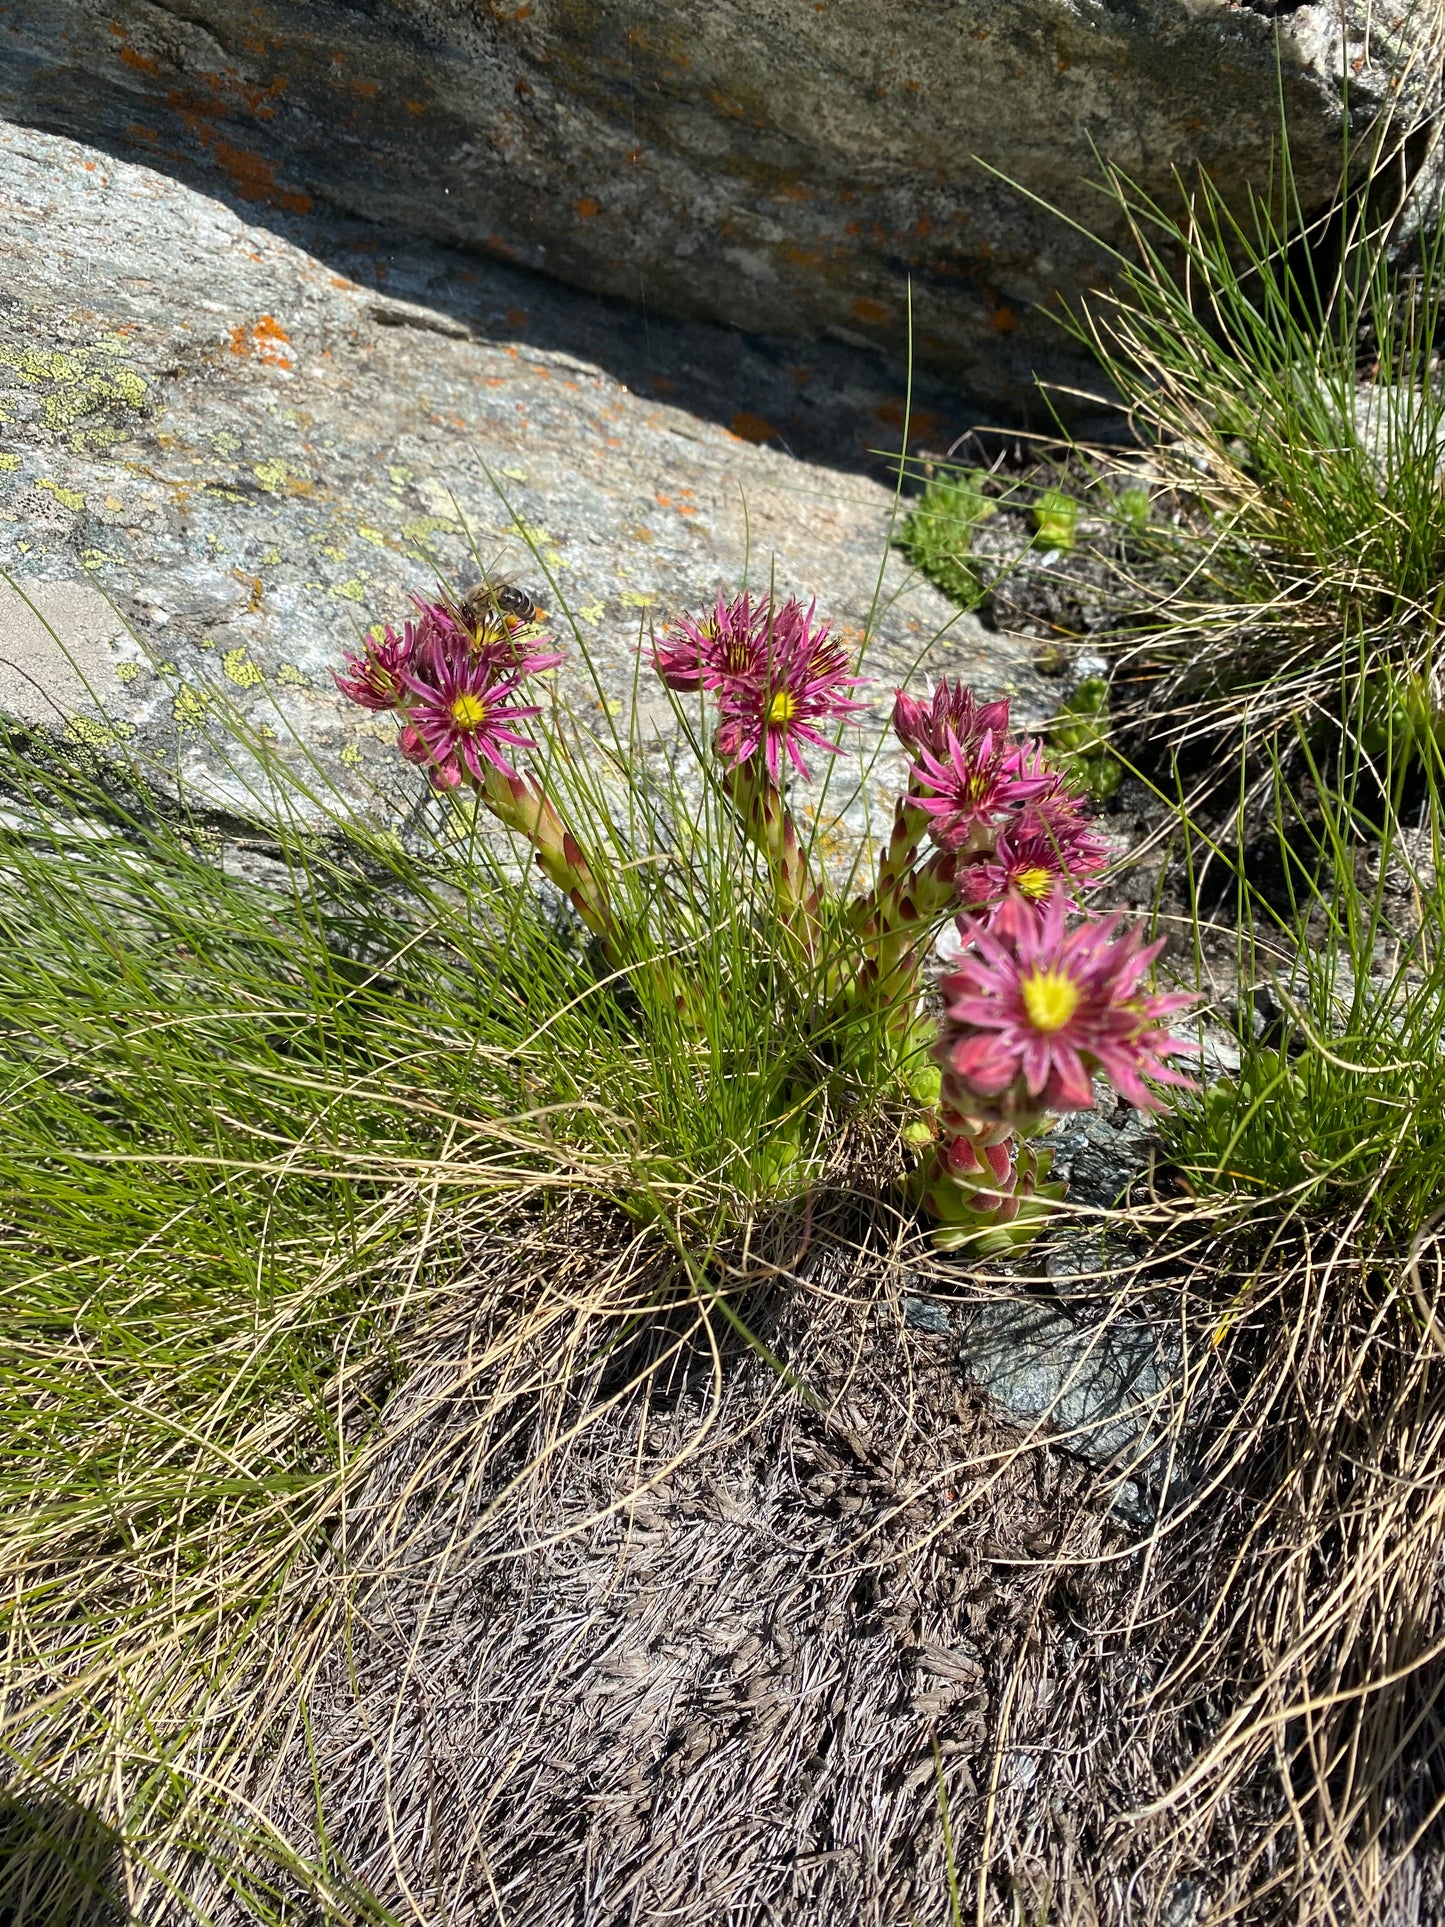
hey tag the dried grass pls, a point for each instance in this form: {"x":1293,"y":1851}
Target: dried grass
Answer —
{"x":667,"y":1634}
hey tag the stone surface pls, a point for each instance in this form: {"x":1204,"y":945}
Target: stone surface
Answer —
{"x":249,"y":455}
{"x":1104,"y":1383}
{"x":64,"y":653}
{"x":805,"y":167}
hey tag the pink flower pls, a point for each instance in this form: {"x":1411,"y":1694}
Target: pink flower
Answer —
{"x":441,"y":639}
{"x":1047,"y":850}
{"x":376,"y":675}
{"x":926,"y":725}
{"x":462,"y":712}
{"x":795,"y":680}
{"x":1035,"y":1010}
{"x":726,"y":647}
{"x":970,"y":783}
{"x":447,"y":637}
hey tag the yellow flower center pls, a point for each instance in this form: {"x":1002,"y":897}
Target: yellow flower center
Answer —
{"x":468,"y":711}
{"x":1050,"y":999}
{"x":1035,"y":884}
{"x":783,"y":708}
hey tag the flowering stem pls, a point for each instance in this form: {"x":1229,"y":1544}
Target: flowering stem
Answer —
{"x":768,"y":822}
{"x":983,"y":1182}
{"x":519,"y":803}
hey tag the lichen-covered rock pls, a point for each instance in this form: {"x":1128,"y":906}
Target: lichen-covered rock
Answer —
{"x":802,"y":167}
{"x":223,"y":457}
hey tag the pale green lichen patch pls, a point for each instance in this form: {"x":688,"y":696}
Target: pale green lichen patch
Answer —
{"x":68,"y":498}
{"x":84,"y":403}
{"x":352,"y":591}
{"x":350,"y":755}
{"x":290,"y":677}
{"x":273,"y":475}
{"x":191,"y":707}
{"x":96,"y":732}
{"x":426,"y":526}
{"x":240,"y":669}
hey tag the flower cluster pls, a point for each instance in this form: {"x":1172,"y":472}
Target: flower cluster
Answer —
{"x":455,"y":676}
{"x":1036,"y":1010}
{"x":1046,"y":997}
{"x":1014,"y":824}
{"x":776,"y":674}
{"x":1040,"y":1004}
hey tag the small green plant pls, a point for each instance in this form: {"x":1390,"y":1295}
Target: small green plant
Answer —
{"x":1132,"y":507}
{"x":1079,"y":740}
{"x":1055,"y":516}
{"x":938,"y":533}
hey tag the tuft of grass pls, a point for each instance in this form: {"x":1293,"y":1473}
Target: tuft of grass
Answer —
{"x":1283,"y":376}
{"x":1338,"y":1105}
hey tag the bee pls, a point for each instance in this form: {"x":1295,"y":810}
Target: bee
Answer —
{"x":485,"y":601}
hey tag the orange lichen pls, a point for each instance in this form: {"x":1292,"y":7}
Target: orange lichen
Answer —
{"x":264,"y":339}
{"x":866,"y":309}
{"x":921,"y":421}
{"x":748,"y":427}
{"x":254,"y":178}
{"x":586,"y":207}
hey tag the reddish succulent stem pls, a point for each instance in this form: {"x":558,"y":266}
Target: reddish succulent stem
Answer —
{"x":518,"y":802}
{"x":768,"y":822}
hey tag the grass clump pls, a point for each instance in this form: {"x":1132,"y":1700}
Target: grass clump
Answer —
{"x":1283,"y":376}
{"x":1338,"y":1105}
{"x":283,"y":1095}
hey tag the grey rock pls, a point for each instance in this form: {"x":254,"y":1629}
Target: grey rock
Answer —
{"x":927,"y":1315}
{"x":811,"y":170}
{"x":64,"y":654}
{"x":1099,"y":1153}
{"x":223,"y":459}
{"x":1102,"y":1384}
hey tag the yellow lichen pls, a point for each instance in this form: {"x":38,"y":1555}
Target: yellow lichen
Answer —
{"x":240,"y":669}
{"x":97,"y":732}
{"x":68,"y":498}
{"x":190,"y":707}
